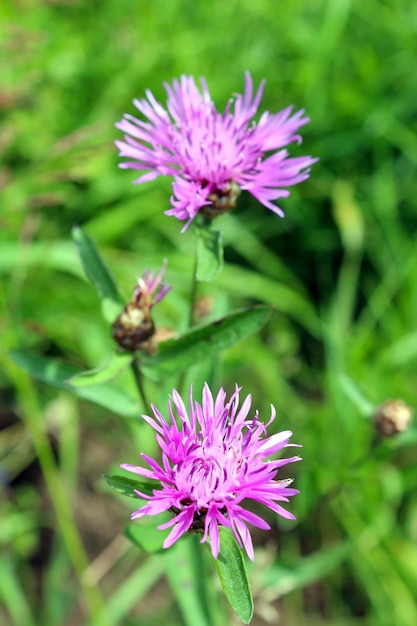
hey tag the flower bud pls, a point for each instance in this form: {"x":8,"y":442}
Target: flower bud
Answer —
{"x":392,"y":417}
{"x":134,"y":326}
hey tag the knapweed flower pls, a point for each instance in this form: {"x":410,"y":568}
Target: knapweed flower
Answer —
{"x":214,"y":458}
{"x":134,"y":326}
{"x":212,"y":155}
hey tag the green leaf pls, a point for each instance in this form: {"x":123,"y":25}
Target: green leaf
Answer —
{"x":56,"y":373}
{"x":209,"y":253}
{"x":147,"y":538}
{"x":233,"y":577}
{"x":204,"y":342}
{"x":99,"y":275}
{"x":126,"y":486}
{"x":119,"y":361}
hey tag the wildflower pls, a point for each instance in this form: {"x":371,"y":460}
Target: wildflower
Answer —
{"x":214,"y":457}
{"x":213,"y":156}
{"x":134,"y":326}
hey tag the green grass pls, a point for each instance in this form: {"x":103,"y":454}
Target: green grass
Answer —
{"x":340,"y":270}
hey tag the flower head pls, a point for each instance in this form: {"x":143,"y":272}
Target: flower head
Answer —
{"x":134,"y":326}
{"x":212,"y":155}
{"x":214,"y":458}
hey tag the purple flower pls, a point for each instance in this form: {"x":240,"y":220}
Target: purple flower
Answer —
{"x":149,"y":283}
{"x":214,"y":457}
{"x":212,"y":155}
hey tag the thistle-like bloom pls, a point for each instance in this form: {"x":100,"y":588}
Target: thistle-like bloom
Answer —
{"x":212,"y":155}
{"x":214,"y":458}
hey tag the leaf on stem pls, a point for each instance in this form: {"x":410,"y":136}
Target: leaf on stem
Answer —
{"x":233,"y":577}
{"x":118,"y":362}
{"x":204,"y":342}
{"x":98,"y":274}
{"x":56,"y":373}
{"x":127,"y":486}
{"x":147,"y":538}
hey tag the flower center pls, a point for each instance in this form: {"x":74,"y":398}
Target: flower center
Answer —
{"x":210,"y":473}
{"x":221,"y":200}
{"x":203,"y":474}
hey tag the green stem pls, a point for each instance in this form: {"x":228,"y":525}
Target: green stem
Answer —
{"x":191,"y":319}
{"x":193,"y":294}
{"x":137,"y":374}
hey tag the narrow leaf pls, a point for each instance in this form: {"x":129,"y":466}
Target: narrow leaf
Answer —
{"x":119,"y":361}
{"x":233,"y":577}
{"x":205,"y":342}
{"x":98,"y":274}
{"x":56,"y":373}
{"x":126,"y":486}
{"x":209,"y":253}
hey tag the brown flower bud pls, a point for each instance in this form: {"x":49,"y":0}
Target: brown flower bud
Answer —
{"x":392,"y":417}
{"x":133,"y":327}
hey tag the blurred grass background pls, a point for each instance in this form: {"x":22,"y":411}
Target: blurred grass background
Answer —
{"x":340,"y":270}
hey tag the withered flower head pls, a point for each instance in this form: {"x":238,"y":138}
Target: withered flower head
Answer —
{"x":392,"y":417}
